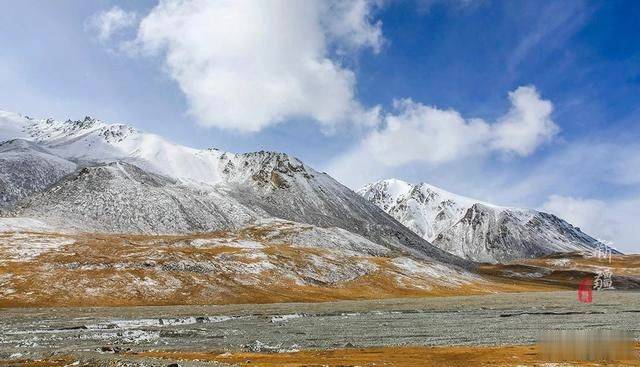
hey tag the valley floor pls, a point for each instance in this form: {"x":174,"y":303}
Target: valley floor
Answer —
{"x":288,"y":294}
{"x":277,"y":262}
{"x":486,"y":330}
{"x":266,"y":263}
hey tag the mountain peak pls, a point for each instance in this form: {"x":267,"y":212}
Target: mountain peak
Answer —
{"x":265,"y":169}
{"x":474,"y":229}
{"x":93,"y":141}
{"x":385,"y":193}
{"x":392,"y":191}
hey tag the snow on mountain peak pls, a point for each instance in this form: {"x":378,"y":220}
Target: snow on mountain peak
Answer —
{"x":385,"y":193}
{"x":425,"y":209}
{"x":393,"y":190}
{"x":471,"y":228}
{"x":91,"y":140}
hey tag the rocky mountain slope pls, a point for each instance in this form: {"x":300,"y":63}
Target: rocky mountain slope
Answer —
{"x":26,"y":168}
{"x":120,"y":197}
{"x":473,"y":229}
{"x":133,"y":182}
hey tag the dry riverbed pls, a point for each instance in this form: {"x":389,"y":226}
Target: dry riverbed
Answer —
{"x":480,"y":330}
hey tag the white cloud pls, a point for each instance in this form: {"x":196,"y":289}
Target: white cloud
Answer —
{"x":422,"y":133}
{"x":527,"y":125}
{"x":419,"y":133}
{"x":351,"y":23}
{"x":246,"y":65}
{"x":614,"y":221}
{"x":109,"y":22}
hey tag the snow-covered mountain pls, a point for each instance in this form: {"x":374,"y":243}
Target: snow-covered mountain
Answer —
{"x":119,"y":179}
{"x":92,"y":140}
{"x":474,"y":229}
{"x":120,"y":197}
{"x":26,"y":168}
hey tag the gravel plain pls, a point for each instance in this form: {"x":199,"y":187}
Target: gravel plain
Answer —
{"x":498,"y":319}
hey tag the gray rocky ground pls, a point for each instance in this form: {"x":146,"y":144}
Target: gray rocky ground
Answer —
{"x":96,"y":333}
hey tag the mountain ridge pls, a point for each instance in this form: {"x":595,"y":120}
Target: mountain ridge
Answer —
{"x":124,"y":174}
{"x":474,"y":229}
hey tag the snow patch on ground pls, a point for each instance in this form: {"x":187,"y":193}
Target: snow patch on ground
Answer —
{"x":212,"y":242}
{"x":258,"y":267}
{"x":534,"y":275}
{"x":160,"y":322}
{"x":5,"y":281}
{"x":285,"y":318}
{"x":305,"y":235}
{"x":559,"y":262}
{"x":126,"y":336}
{"x":25,"y":247}
{"x":23,"y":225}
{"x":439,"y":273}
{"x":258,"y":346}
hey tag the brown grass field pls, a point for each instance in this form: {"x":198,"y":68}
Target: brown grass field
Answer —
{"x":518,"y":355}
{"x":409,"y":356}
{"x":112,"y":270}
{"x":129,"y":270}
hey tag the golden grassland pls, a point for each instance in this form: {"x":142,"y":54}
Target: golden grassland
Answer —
{"x":416,"y":356}
{"x":407,"y":356}
{"x":135,"y":270}
{"x":112,"y":270}
{"x":622,"y":265}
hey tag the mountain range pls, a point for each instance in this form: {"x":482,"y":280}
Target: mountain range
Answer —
{"x":91,"y":176}
{"x":88,"y":176}
{"x":473,"y":229}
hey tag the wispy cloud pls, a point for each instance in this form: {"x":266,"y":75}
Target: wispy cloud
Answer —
{"x":554,"y":24}
{"x":424,"y":6}
{"x":107,"y":23}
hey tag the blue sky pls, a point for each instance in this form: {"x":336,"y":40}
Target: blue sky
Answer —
{"x":343,"y":92}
